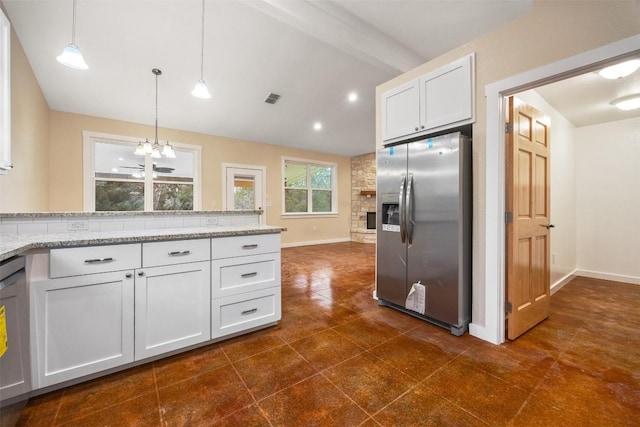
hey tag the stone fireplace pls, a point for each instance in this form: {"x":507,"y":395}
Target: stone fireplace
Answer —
{"x":363,"y":198}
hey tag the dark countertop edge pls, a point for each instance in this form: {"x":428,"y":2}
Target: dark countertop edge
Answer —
{"x":135,"y":239}
{"x":72,"y":214}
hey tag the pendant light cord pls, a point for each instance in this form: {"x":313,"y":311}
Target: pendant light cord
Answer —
{"x":202,"y":46}
{"x":73,"y":27}
{"x":156,"y":72}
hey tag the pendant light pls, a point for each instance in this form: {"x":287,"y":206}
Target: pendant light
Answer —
{"x":71,"y":56}
{"x":201,"y":90}
{"x":154,"y":149}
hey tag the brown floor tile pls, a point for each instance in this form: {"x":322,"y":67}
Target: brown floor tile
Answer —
{"x":369,"y":382}
{"x":326,"y":349}
{"x":250,"y":416}
{"x":251,"y":344}
{"x":421,"y":407}
{"x":488,"y":398}
{"x":273,"y":370}
{"x":314,"y":401}
{"x":366,"y":332}
{"x":416,"y":358}
{"x":443,"y":338}
{"x":402,"y":322}
{"x":182,"y":366}
{"x":104,"y":392}
{"x":204,"y":399}
{"x":41,"y":410}
{"x":298,"y":324}
{"x":568,"y":396}
{"x":139,"y":411}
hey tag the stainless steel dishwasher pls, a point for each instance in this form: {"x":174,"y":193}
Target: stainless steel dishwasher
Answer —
{"x":15,"y":371}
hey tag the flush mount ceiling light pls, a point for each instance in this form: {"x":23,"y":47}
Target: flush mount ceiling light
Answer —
{"x":71,"y":56}
{"x":353,"y":97}
{"x":620,"y":70}
{"x":627,"y":103}
{"x":201,"y":90}
{"x":317,"y":126}
{"x":145,"y":148}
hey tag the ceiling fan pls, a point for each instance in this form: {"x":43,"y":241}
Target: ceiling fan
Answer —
{"x":158,"y":169}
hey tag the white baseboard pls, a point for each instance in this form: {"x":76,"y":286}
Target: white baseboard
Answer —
{"x":555,"y":287}
{"x":608,"y":276}
{"x":315,"y":242}
{"x":483,"y":333}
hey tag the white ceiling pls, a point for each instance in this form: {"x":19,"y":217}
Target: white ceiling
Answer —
{"x":312,"y":53}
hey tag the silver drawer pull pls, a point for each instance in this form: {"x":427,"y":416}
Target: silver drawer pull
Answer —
{"x":254,"y":246}
{"x":250,"y":311}
{"x":179,"y":253}
{"x":98,"y":260}
{"x":246,"y":275}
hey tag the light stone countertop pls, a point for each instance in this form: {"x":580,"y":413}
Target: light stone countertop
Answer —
{"x":17,"y":244}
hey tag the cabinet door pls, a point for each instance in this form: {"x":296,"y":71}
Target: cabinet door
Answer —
{"x":173,"y":307}
{"x":446,"y":95}
{"x":81,"y":325}
{"x":400,"y":111}
{"x":15,"y":372}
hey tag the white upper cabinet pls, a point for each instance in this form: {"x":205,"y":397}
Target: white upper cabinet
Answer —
{"x":439,"y":100}
{"x":400,"y":113}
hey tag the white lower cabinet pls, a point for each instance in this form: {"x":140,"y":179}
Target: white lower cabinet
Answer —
{"x":81,"y":325}
{"x":172,"y":308}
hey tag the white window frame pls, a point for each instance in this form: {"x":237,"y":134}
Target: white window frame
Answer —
{"x":89,"y":139}
{"x":334,"y":189}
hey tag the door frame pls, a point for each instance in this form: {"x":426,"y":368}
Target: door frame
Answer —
{"x":263,"y":169}
{"x":490,"y":325}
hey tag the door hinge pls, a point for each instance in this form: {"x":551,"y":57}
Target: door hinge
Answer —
{"x":508,"y":127}
{"x":508,"y":217}
{"x":507,"y":307}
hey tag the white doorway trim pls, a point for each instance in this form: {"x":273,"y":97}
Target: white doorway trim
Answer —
{"x":492,"y":327}
{"x":263,"y":169}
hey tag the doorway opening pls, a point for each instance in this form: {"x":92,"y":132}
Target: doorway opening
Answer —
{"x":243,"y":188}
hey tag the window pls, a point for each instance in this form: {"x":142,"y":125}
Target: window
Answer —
{"x":309,"y":187}
{"x":118,"y":180}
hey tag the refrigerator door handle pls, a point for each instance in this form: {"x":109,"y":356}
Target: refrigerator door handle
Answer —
{"x":409,"y":207}
{"x":403,"y":183}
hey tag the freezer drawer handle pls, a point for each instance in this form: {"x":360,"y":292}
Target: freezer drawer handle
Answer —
{"x":180,"y":253}
{"x":247,"y":275}
{"x":98,"y":260}
{"x":254,"y":246}
{"x":250,"y":311}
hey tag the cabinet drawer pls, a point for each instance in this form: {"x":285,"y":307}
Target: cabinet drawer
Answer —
{"x":244,"y":274}
{"x":245,"y":311}
{"x":227,"y":247}
{"x":93,"y":259}
{"x":175,"y":252}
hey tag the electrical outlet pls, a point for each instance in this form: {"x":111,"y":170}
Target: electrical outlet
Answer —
{"x":314,"y":228}
{"x":77,"y":225}
{"x":212,"y":221}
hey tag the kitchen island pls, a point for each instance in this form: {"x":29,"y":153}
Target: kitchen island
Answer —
{"x":107,"y":291}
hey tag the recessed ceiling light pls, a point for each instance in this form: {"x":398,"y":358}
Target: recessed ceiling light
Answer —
{"x":114,"y":169}
{"x":353,"y":97}
{"x":317,"y":126}
{"x":620,"y":70}
{"x":627,"y":103}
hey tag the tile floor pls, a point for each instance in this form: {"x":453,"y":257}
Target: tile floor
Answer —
{"x":337,"y":359}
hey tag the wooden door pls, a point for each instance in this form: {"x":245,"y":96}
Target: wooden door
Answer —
{"x":528,"y":211}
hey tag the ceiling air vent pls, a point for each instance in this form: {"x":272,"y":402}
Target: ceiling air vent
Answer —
{"x":272,"y":98}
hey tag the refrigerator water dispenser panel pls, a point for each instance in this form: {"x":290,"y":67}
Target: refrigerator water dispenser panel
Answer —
{"x":391,"y":217}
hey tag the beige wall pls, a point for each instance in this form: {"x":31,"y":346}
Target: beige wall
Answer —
{"x":25,"y":187}
{"x":554,"y":30}
{"x":66,"y":171}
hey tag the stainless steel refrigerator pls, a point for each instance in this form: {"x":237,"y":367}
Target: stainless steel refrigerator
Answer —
{"x":424,"y":229}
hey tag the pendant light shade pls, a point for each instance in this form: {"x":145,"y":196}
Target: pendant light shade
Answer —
{"x":201,"y":90}
{"x":71,"y":56}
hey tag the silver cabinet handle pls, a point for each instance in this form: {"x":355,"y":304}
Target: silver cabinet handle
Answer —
{"x":140,"y":273}
{"x":416,"y":128}
{"x":179,"y":253}
{"x":246,"y":275}
{"x":254,"y":246}
{"x":128,"y":275}
{"x":98,"y":260}
{"x":251,"y":310}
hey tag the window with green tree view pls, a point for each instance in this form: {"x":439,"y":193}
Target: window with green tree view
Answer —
{"x":309,"y":187}
{"x":127,"y":182}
